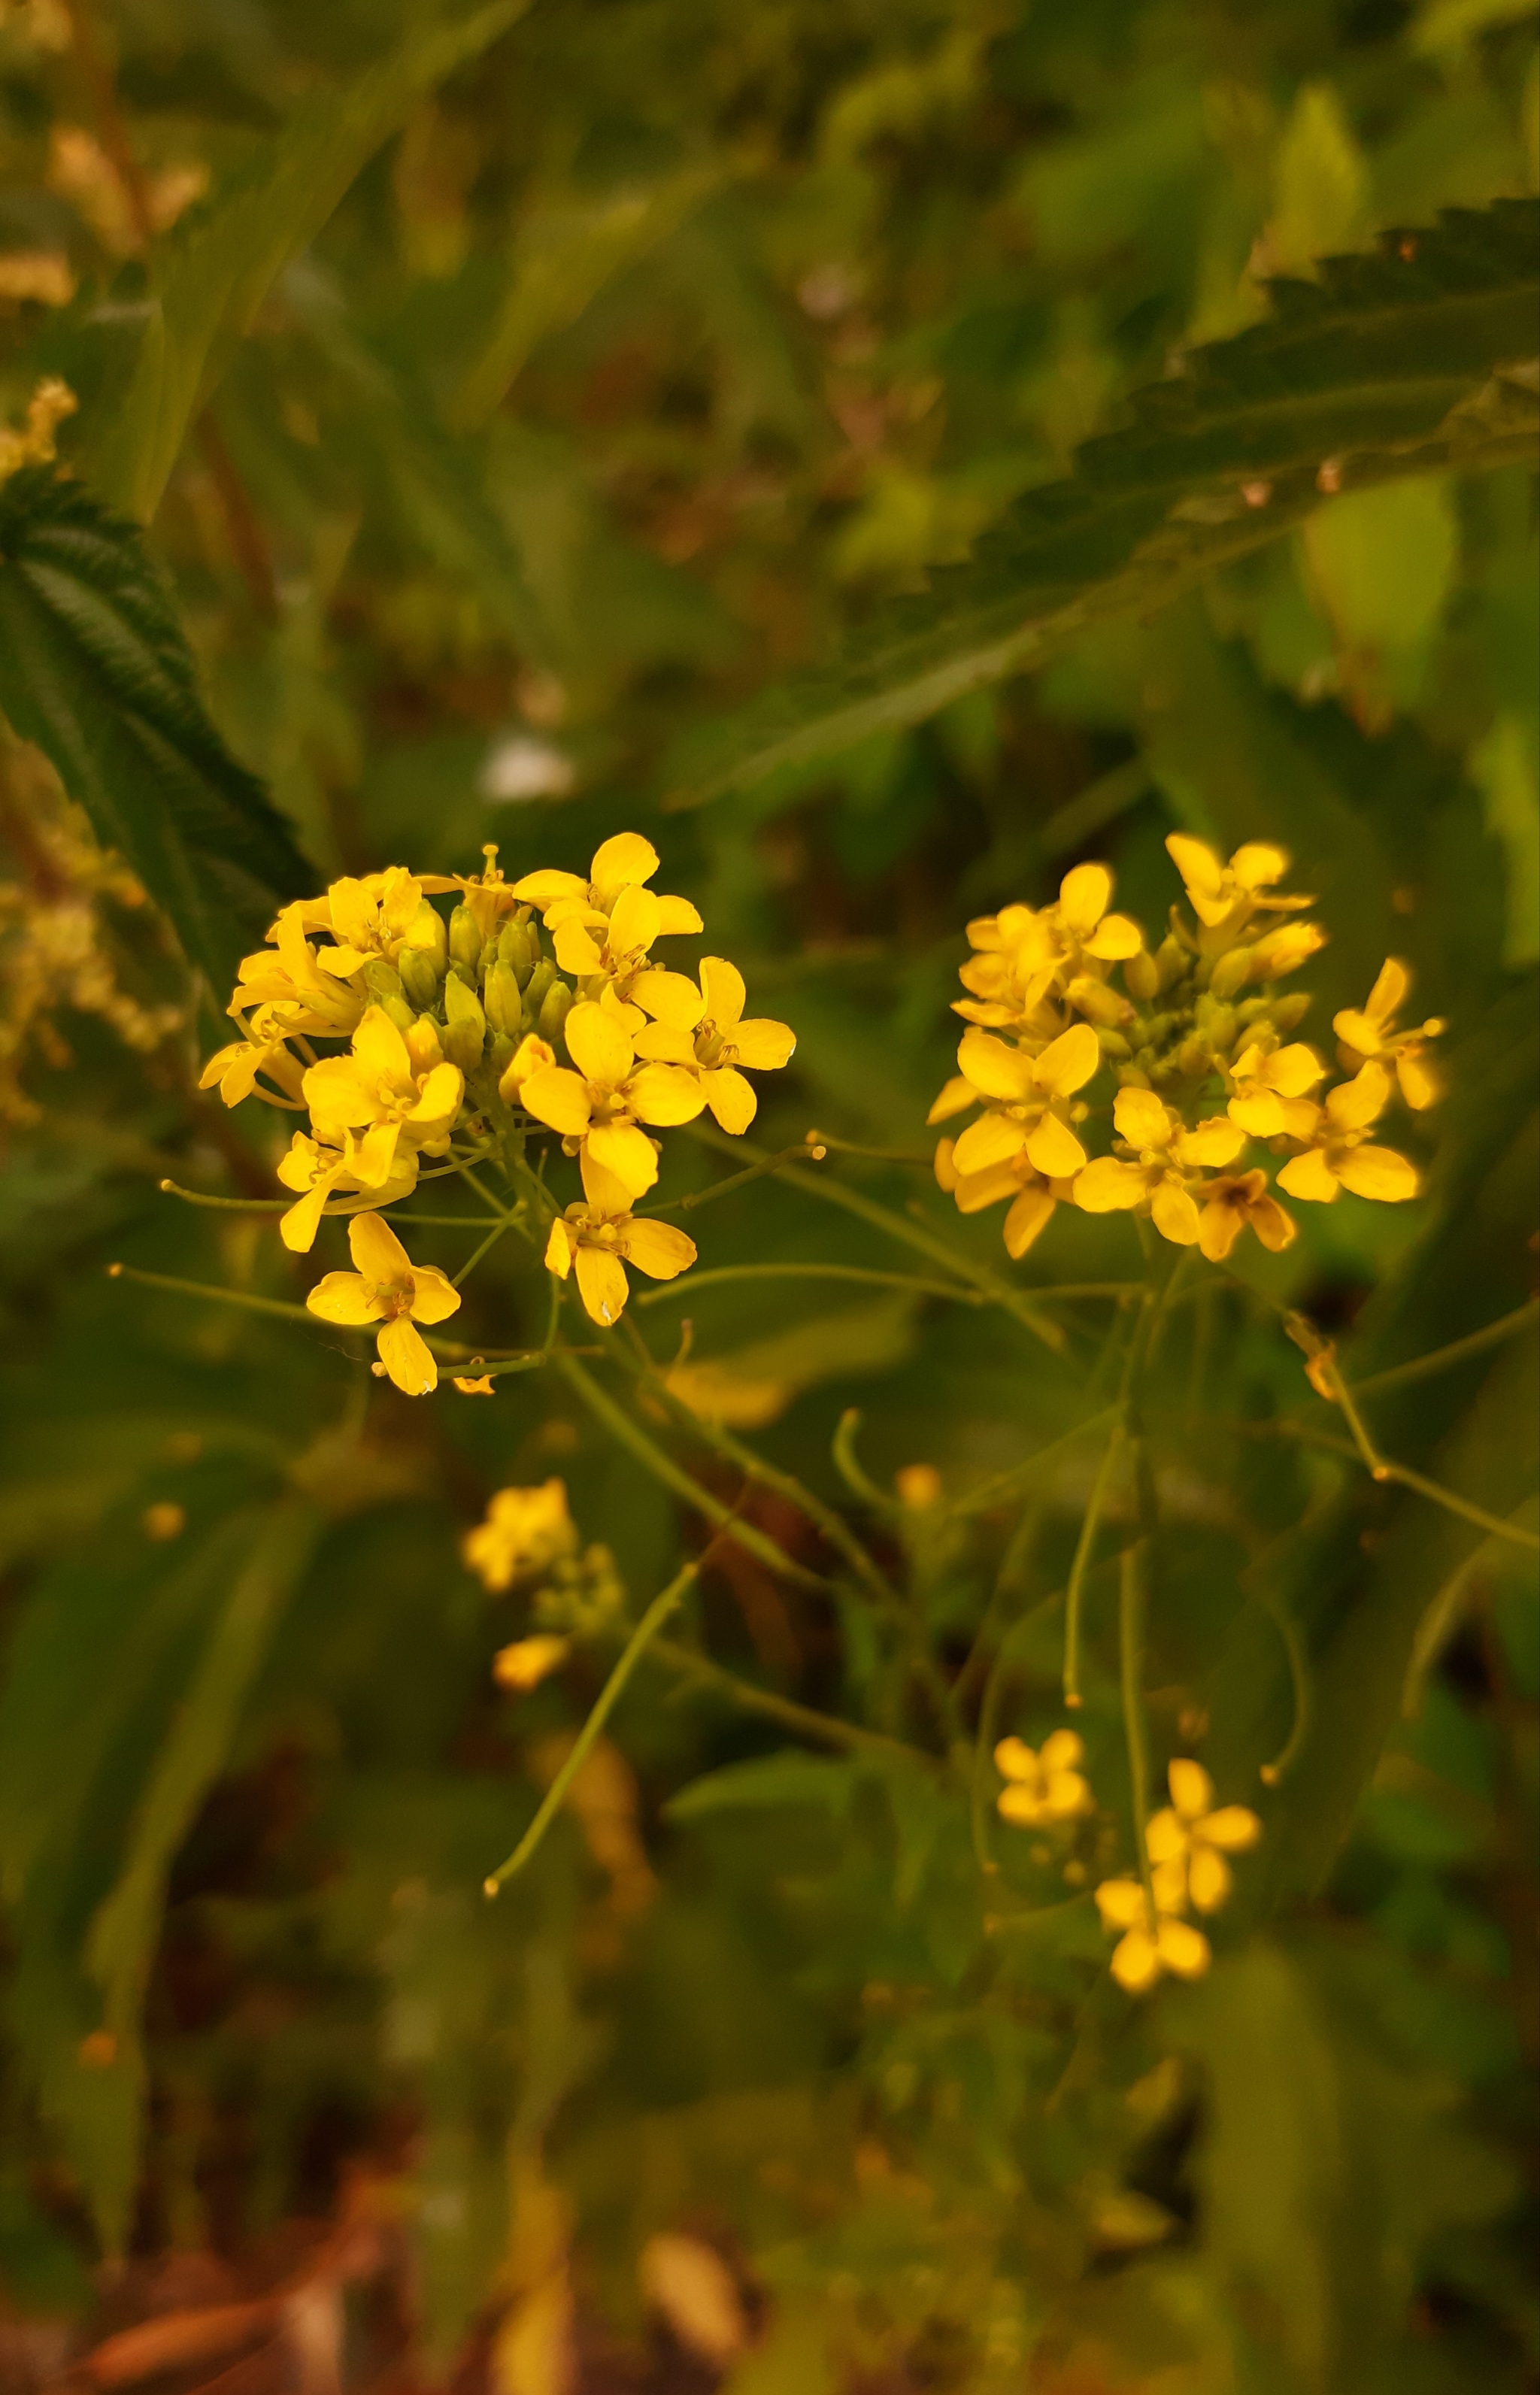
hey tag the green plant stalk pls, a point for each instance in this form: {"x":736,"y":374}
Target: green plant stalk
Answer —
{"x":684,"y":1286}
{"x":1459,"y":1351}
{"x":1074,"y":1594}
{"x":829,"y":1727}
{"x":1131,"y":1612}
{"x":583,"y":1744}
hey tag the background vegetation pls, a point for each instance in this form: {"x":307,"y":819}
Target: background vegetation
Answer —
{"x":632,"y":414}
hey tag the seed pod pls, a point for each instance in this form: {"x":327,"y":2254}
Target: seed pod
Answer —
{"x":465,"y":939}
{"x":426,"y":932}
{"x":555,"y":1007}
{"x":465,"y":1028}
{"x":519,"y":950}
{"x":418,"y":979}
{"x":502,"y":998}
{"x":1141,"y":976}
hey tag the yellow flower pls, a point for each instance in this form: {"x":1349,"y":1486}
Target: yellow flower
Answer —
{"x":1030,"y":1099}
{"x":477,"y":1388}
{"x":1046,"y":1787}
{"x":1017,"y":962}
{"x":321,"y":1173}
{"x":1260,"y":1080}
{"x":1148,"y":1949}
{"x":529,"y":1661}
{"x":390,"y":1289}
{"x":703,"y":1030}
{"x":1225,"y":897}
{"x":1190,"y":1835}
{"x":1084,"y":896}
{"x":381,"y":1090}
{"x":234,"y":1070}
{"x":603,"y":1236}
{"x":532,"y":1055}
{"x":1033,"y":1199}
{"x":1169,"y":1156}
{"x":1232,"y":1201}
{"x":371,"y":917}
{"x":1372,"y":1034}
{"x":525,"y":1530}
{"x":600,"y":1106}
{"x":292,"y":982}
{"x":51,"y":402}
{"x":1334,"y":1155}
{"x":606,"y":924}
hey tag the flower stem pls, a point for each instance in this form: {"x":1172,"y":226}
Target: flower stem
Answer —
{"x":720,"y":1273}
{"x":1075,"y":1592}
{"x":636,"y":1645}
{"x":1131,"y":1614}
{"x":1443,"y":1359}
{"x":801,"y":1718}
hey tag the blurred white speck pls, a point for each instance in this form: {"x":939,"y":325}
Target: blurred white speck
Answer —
{"x":519,"y":767}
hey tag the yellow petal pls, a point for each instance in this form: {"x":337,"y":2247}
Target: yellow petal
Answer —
{"x":372,"y":1159}
{"x":543,"y":890}
{"x":1120,"y":1903}
{"x":377,"y":1252}
{"x":1013,"y":1759}
{"x":602,"y":1285}
{"x":405,"y":1357}
{"x":1084,"y":896}
{"x":1296,"y":1069}
{"x":1165,"y":1837}
{"x":605,"y":1195}
{"x":597,"y":1045}
{"x":1063,"y":1749}
{"x":945,"y":1170}
{"x":1051,"y":1147}
{"x":673,"y":998}
{"x":1310,"y":1177}
{"x":559,"y":1098}
{"x":380,"y":1047}
{"x":1142,"y":1120}
{"x":1024,"y":1806}
{"x":1137,"y":1962}
{"x":1233,"y":1828}
{"x":1168,"y":1884}
{"x":1196,"y":862}
{"x":1107,"y":1186}
{"x":1209,"y":1879}
{"x":344,"y":1297}
{"x":974,"y":1191}
{"x":634,"y":920}
{"x":1191,"y":1789}
{"x":529,"y":1661}
{"x":299,"y":1226}
{"x":1115,"y":939}
{"x":1389,"y":993}
{"x":559,"y":1249}
{"x":730,"y":1097}
{"x":1273,"y":1227}
{"x":726,"y":991}
{"x":993,"y":1138}
{"x":1030,"y":1215}
{"x":658,"y":1249}
{"x":677,"y":915}
{"x":439,"y":1098}
{"x":434,"y":1297}
{"x":1259,"y":864}
{"x":763,"y":1044}
{"x":1420,"y":1085}
{"x":337,"y":1096}
{"x":1213,"y":1140}
{"x":1380,"y":1173}
{"x":659,"y":1044}
{"x":1260,"y":1112}
{"x":1066,"y":1793}
{"x":1353,"y":1105}
{"x":1183,"y":1948}
{"x":622,"y":860}
{"x":956,"y":1094}
{"x":577,"y":952}
{"x":995,"y":1070}
{"x":1068,"y":1062}
{"x":626,"y":1152}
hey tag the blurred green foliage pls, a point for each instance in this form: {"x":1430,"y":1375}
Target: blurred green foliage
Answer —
{"x":540,"y":421}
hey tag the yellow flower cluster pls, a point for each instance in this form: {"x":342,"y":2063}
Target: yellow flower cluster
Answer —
{"x":1189,"y":1843}
{"x":1197,"y":1041}
{"x":417,"y":1040}
{"x":49,"y":405}
{"x":529,"y":1534}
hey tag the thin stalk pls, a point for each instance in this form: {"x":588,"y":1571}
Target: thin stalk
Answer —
{"x":801,"y":1718}
{"x":1374,"y":1462}
{"x":1398,"y":1471}
{"x":825,"y":1139}
{"x":1273,"y":1774}
{"x":1131,"y":1611}
{"x":241,"y":1297}
{"x":1075,"y":1592}
{"x":282,"y":1205}
{"x":1006,"y":1484}
{"x":851,"y":1469}
{"x":737,"y":1180}
{"x":1443,"y":1359}
{"x":583,"y":1744}
{"x":720,"y":1273}
{"x":494,"y":1234}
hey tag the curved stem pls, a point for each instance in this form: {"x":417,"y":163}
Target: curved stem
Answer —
{"x":1131,"y":1613}
{"x":850,"y":1468}
{"x":1079,"y":1568}
{"x":1443,"y":1359}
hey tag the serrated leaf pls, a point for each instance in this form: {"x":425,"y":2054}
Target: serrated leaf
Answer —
{"x":94,"y":667}
{"x":1390,"y":365}
{"x":221,"y":272}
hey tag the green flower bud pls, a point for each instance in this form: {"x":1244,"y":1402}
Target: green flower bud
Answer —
{"x":465,"y":1024}
{"x":418,"y":979}
{"x":501,"y":1052}
{"x":1141,"y":976}
{"x":1289,"y":1013}
{"x":555,"y":1007}
{"x":465,"y":939}
{"x":399,"y":1012}
{"x":1172,"y":960}
{"x":519,"y":950}
{"x":381,"y":980}
{"x":502,"y":998}
{"x":542,"y":979}
{"x":426,"y":932}
{"x":1230,"y":973}
{"x":1113,"y":1044}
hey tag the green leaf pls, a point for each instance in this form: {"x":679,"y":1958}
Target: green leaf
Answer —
{"x":1392,"y":364}
{"x":94,"y":667}
{"x":221,"y":272}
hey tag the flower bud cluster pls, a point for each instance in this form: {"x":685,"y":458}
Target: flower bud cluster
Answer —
{"x":528,"y":1535}
{"x":1195,"y":1036}
{"x":417,"y":1037}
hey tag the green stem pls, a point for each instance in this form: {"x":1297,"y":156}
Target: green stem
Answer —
{"x":852,"y":1471}
{"x":1131,"y":1610}
{"x":801,"y":1718}
{"x":1397,"y":1472}
{"x":1006,"y":1484}
{"x":583,"y":1744}
{"x":1079,"y":1568}
{"x":240,"y":1297}
{"x":494,"y":1234}
{"x":720,"y":1273}
{"x":1443,"y":1359}
{"x":1273,"y":1774}
{"x":737,"y":1180}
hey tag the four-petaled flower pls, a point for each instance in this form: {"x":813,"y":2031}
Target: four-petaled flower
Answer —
{"x":234,"y":1070}
{"x":371,"y":917}
{"x":1033,"y":1199}
{"x":1188,"y":1834}
{"x":1262,"y":1080}
{"x":1333,"y":1153}
{"x":525,"y":1530}
{"x":1042,"y":1786}
{"x":321,"y":1173}
{"x":600,"y":1106}
{"x":1169,"y":1156}
{"x":287,"y":977}
{"x":702,"y":1029}
{"x":1225,"y":897}
{"x":390,"y":1289}
{"x":1154,"y":1939}
{"x":603,"y":1236}
{"x":1230,"y":1203}
{"x":1371,"y":1035}
{"x":1029,"y":1099}
{"x":383,"y":1093}
{"x":605,"y":926}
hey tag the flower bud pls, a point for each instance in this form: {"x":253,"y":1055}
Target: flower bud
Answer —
{"x":1141,"y":976}
{"x":423,"y":1046}
{"x":399,"y":1013}
{"x":1285,"y":948}
{"x":1218,"y":1023}
{"x":465,"y":938}
{"x":555,"y":1007}
{"x":381,"y":980}
{"x":1113,"y":1043}
{"x":519,"y":948}
{"x":1096,"y":1002}
{"x":1171,"y":959}
{"x":1231,"y":971}
{"x":502,"y":999}
{"x":1289,"y":1013}
{"x":500,"y":1052}
{"x":418,"y":979}
{"x":531,"y":1056}
{"x":542,"y":979}
{"x":425,"y":934}
{"x":465,"y":1030}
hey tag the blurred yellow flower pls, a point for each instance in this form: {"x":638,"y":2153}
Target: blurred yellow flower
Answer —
{"x":1033,"y":1199}
{"x":1042,"y":1786}
{"x":525,"y":1530}
{"x":1334,"y":1155}
{"x":1261,"y":1080}
{"x":1150,"y":1947}
{"x":1225,"y":897}
{"x":51,"y":402}
{"x":1370,"y":1034}
{"x":1232,"y":1201}
{"x":1168,"y":1157}
{"x":388,"y":1290}
{"x":1191,"y":1834}
{"x":529,"y":1661}
{"x":234,"y":1070}
{"x":380,"y":1093}
{"x":607,"y":925}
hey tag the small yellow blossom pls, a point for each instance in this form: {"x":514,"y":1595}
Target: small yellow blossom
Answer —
{"x":1232,"y":1201}
{"x":600,"y":1107}
{"x":1189,"y":1834}
{"x":1150,"y":1947}
{"x":1030,"y":1097}
{"x":607,"y":925}
{"x":381,"y":1092}
{"x":1225,"y":897}
{"x":602,"y":1237}
{"x":389,"y":1289}
{"x":1372,"y":1034}
{"x":525,"y":1530}
{"x":370,"y":917}
{"x":1261,"y":1080}
{"x":44,"y":275}
{"x":1334,"y":1155}
{"x":324,"y":1173}
{"x":1043,"y":1787}
{"x":1033,"y":1199}
{"x":529,"y":1661}
{"x":478,"y":1388}
{"x":532,"y":1055}
{"x":703,"y":1030}
{"x":1168,"y":1157}
{"x":51,"y":402}
{"x":287,"y":977}
{"x":235,"y":1071}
